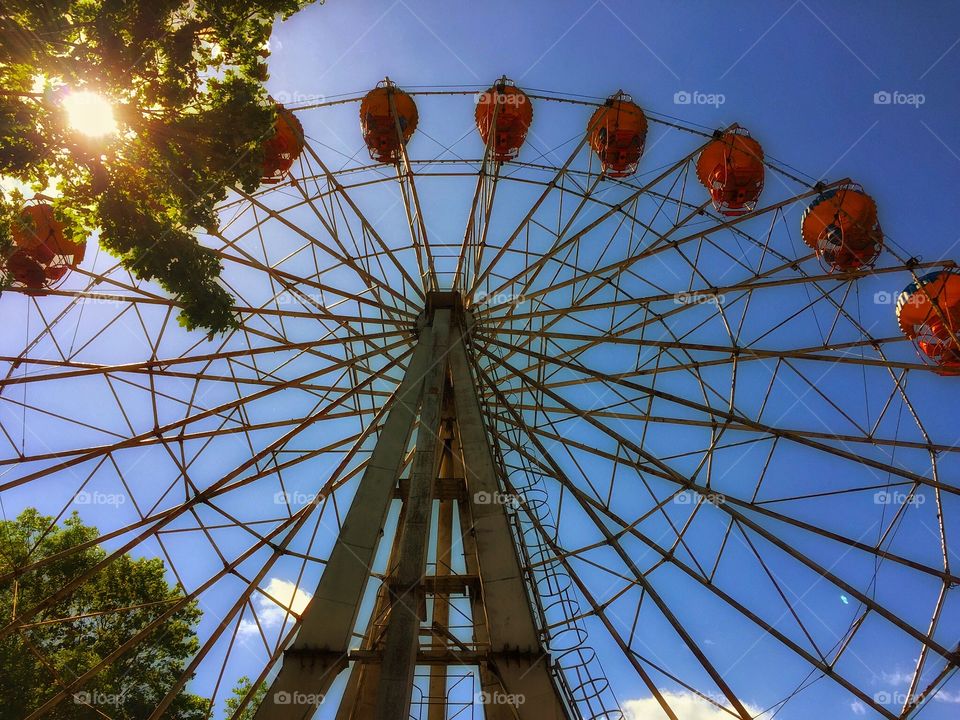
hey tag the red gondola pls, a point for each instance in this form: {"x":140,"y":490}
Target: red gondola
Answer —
{"x":841,"y":226}
{"x":41,"y":253}
{"x":388,"y":118}
{"x":928,"y":312}
{"x":283,"y":148}
{"x":731,"y":169}
{"x":505,"y":110}
{"x":618,"y":134}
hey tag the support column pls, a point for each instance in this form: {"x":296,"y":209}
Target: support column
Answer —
{"x":408,"y":601}
{"x":517,"y":659}
{"x":452,"y":471}
{"x":321,"y":648}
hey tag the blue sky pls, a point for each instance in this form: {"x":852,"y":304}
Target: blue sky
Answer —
{"x":804,"y":77}
{"x":810,"y":81}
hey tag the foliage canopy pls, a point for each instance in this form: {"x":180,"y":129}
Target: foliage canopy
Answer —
{"x":185,"y":78}
{"x":77,"y":633}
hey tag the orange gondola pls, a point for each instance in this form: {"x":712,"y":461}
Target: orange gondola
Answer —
{"x":618,"y":134}
{"x":928,"y":312}
{"x":507,"y":110}
{"x":41,"y":254}
{"x":388,"y":118}
{"x":841,"y":226}
{"x":283,"y":148}
{"x":731,"y":169}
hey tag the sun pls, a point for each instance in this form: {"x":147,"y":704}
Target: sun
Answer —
{"x":90,"y":113}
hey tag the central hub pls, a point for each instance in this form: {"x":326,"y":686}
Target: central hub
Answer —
{"x":451,"y":300}
{"x":447,"y":299}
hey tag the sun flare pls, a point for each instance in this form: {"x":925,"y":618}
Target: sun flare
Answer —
{"x":90,"y":114}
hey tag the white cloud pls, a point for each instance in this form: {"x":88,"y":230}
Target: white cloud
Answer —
{"x":858,"y":708}
{"x":270,"y":614}
{"x":901,"y":677}
{"x":897,"y":677}
{"x":686,"y":706}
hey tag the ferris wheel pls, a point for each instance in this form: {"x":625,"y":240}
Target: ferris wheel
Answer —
{"x":538,"y":406}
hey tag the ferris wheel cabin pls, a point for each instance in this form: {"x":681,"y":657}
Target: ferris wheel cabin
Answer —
{"x":731,"y":169}
{"x":42,"y":255}
{"x":841,"y":226}
{"x":388,"y":119}
{"x":283,"y":148}
{"x":618,"y":135}
{"x":928,"y":312}
{"x":503,"y":116}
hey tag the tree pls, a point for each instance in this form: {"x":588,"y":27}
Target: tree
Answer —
{"x":186,"y":81}
{"x":76,"y":634}
{"x":239,"y":693}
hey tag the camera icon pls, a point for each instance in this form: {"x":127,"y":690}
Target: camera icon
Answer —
{"x":81,"y":698}
{"x":282,"y":698}
{"x":482,"y":498}
{"x":682,"y":97}
{"x":883,"y":697}
{"x":83,"y":498}
{"x":683,"y":498}
{"x":882,"y":297}
{"x":882,"y":97}
{"x":882,"y":497}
